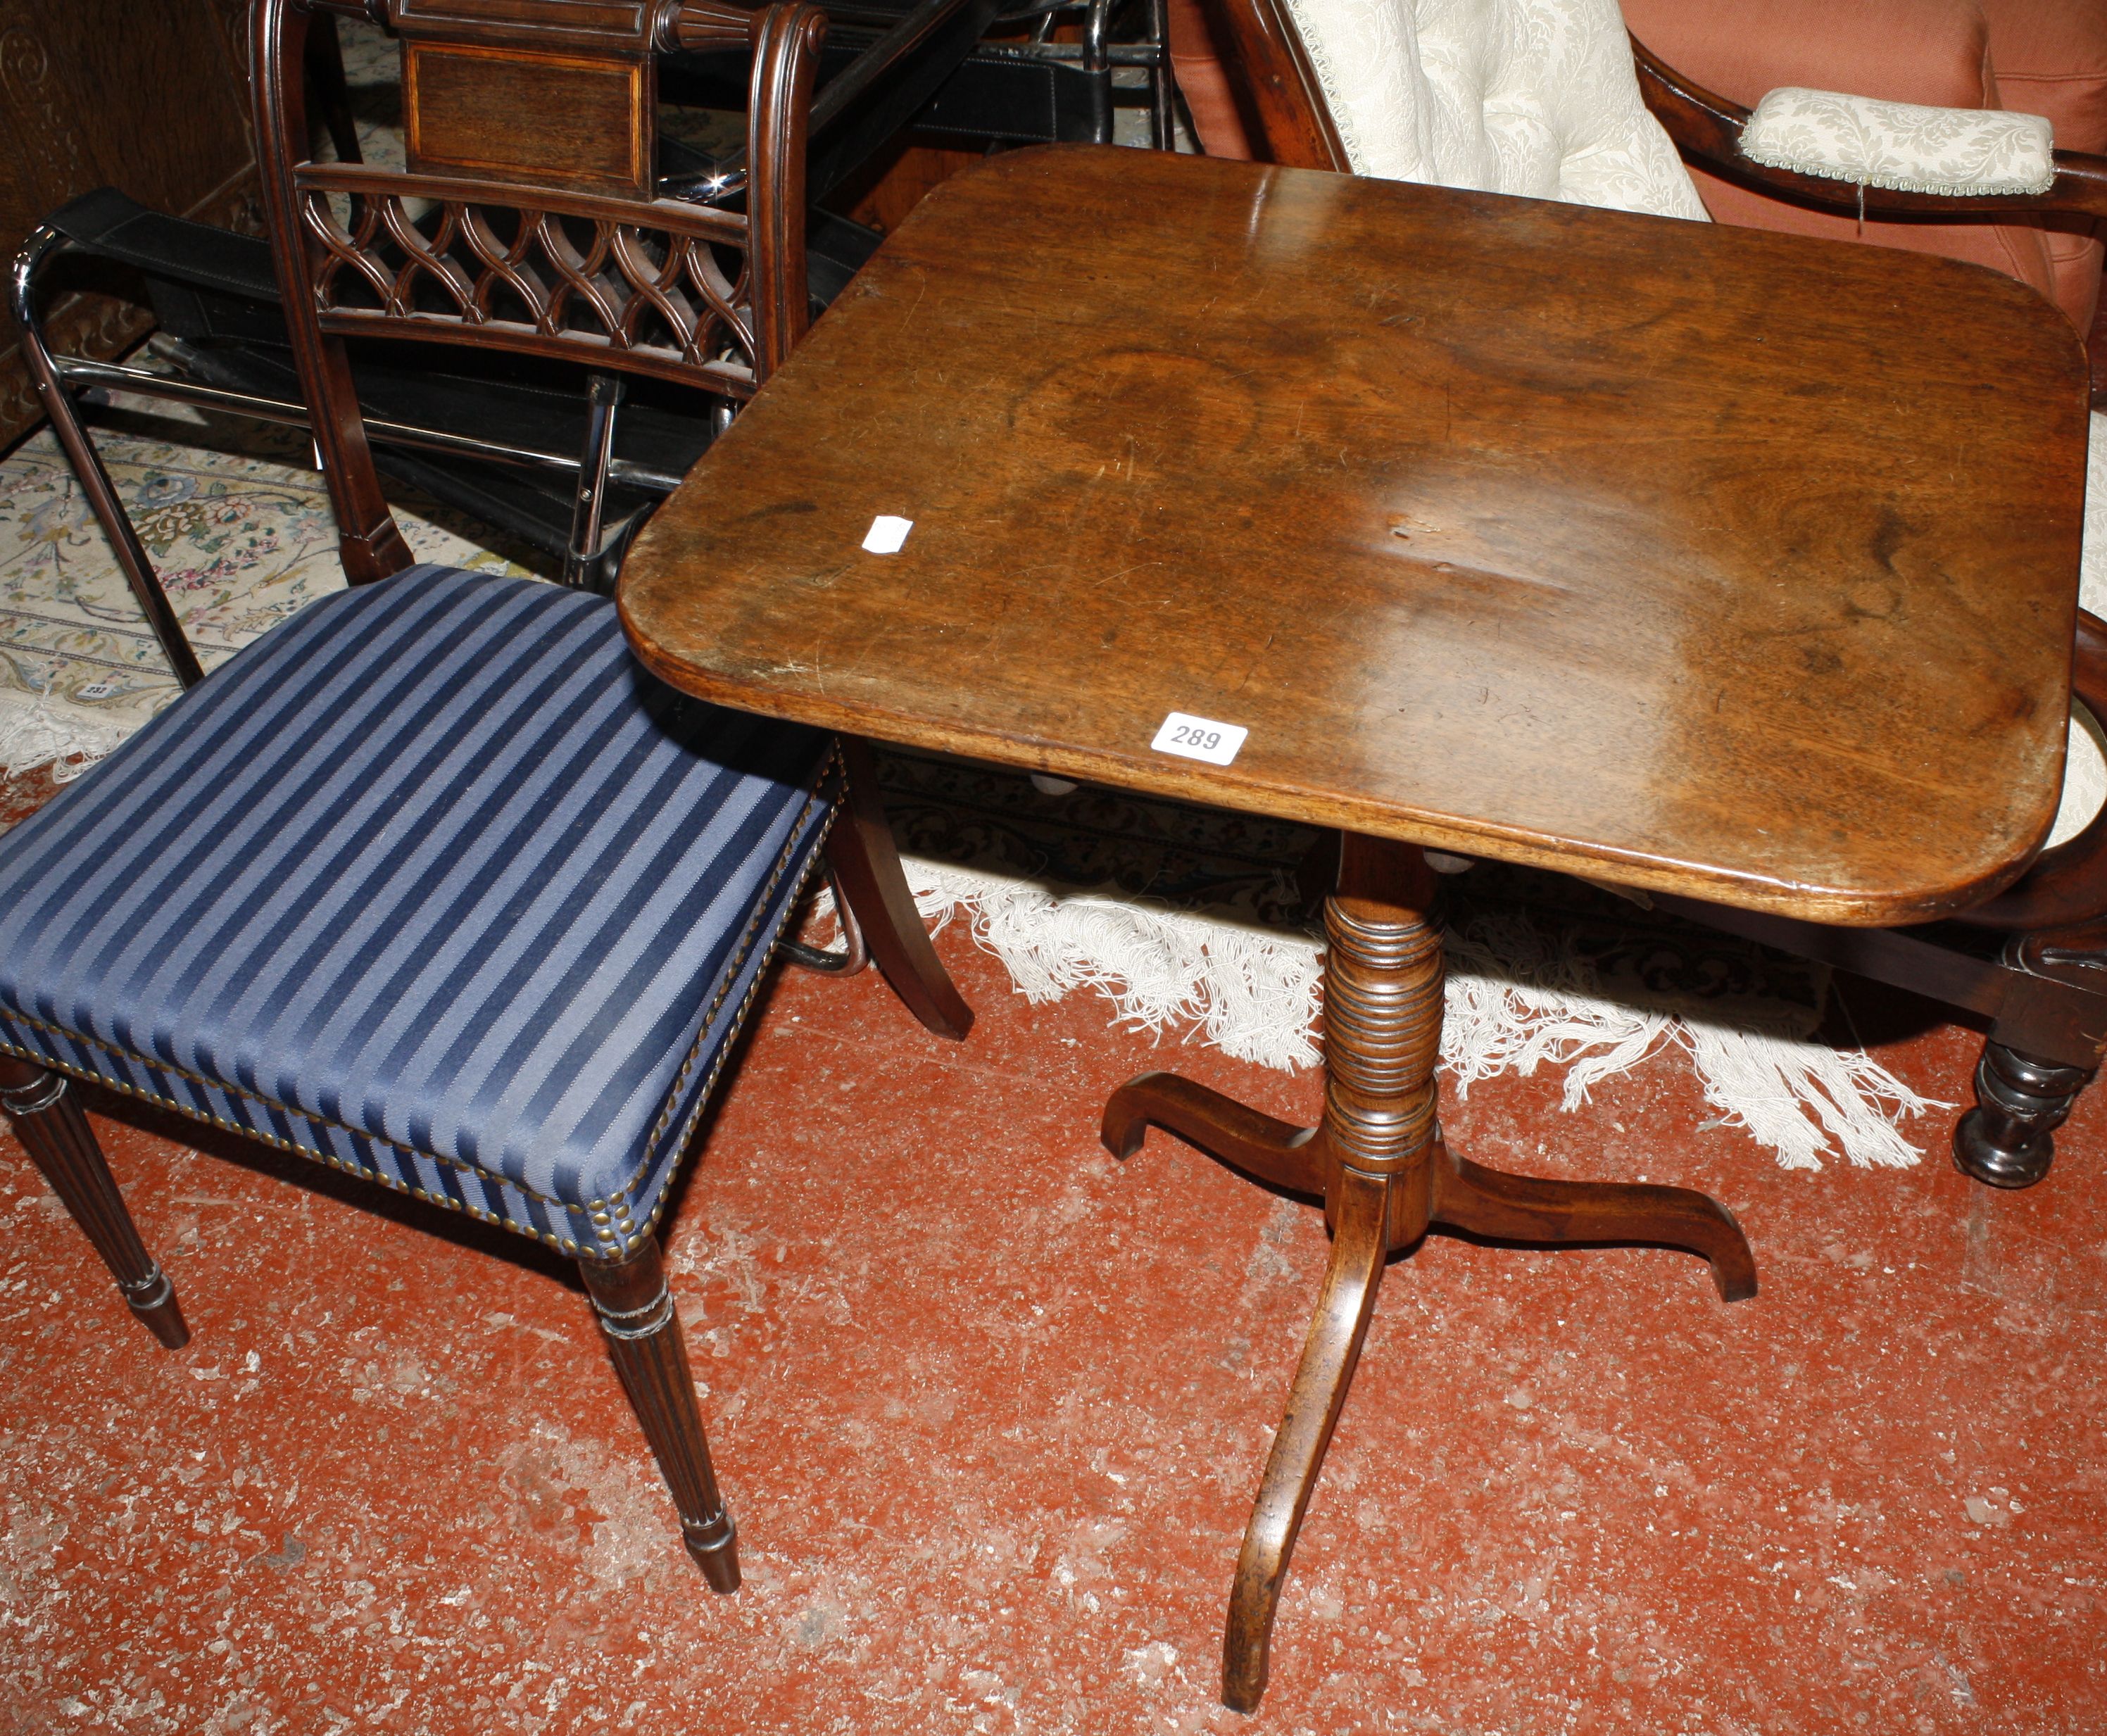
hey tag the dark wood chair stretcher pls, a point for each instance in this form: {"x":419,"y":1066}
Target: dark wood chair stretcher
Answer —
{"x":1469,"y":510}
{"x":2031,"y":962}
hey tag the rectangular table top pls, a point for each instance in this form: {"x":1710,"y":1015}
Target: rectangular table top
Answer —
{"x":1697,"y":558}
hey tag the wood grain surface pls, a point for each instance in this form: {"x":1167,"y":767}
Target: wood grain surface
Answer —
{"x":150,"y":99}
{"x":1735,"y":565}
{"x":533,"y":117}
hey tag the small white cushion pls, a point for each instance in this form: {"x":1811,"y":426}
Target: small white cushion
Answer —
{"x":1901,"y":145}
{"x":1536,"y":98}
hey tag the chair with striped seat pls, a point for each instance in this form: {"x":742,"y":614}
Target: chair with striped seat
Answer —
{"x":434,"y":883}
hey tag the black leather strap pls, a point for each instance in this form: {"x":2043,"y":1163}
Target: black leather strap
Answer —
{"x":119,"y":228}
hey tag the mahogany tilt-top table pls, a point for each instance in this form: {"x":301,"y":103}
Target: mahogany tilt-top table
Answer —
{"x":1697,"y":560}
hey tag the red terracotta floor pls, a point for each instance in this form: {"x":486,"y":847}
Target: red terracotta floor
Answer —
{"x":991,"y":1411}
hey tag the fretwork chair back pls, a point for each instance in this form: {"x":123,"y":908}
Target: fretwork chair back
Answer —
{"x":2031,"y":963}
{"x":433,"y":882}
{"x":523,"y":445}
{"x":529,"y":457}
{"x":528,"y":219}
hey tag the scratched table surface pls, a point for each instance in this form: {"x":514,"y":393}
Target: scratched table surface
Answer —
{"x":1701,"y":559}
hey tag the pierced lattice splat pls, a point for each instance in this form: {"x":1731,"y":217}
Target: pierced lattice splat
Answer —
{"x":573,"y":276}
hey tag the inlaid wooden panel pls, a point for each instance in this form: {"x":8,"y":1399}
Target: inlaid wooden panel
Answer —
{"x":1732,"y":564}
{"x":465,"y":108}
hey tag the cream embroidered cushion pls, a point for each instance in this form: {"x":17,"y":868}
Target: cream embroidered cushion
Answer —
{"x":1901,"y":145}
{"x":1536,"y":98}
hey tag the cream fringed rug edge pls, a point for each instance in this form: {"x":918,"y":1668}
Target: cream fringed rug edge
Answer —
{"x":240,"y":537}
{"x":1519,"y":996}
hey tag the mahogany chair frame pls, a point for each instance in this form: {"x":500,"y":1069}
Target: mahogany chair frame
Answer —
{"x":720,"y":344}
{"x":644,"y":296}
{"x":2031,"y":962}
{"x":859,"y":109}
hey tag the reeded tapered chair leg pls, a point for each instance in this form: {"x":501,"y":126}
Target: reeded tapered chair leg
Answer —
{"x":41,"y":1108}
{"x":643,"y":1331}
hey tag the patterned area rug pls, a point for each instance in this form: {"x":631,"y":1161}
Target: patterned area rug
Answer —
{"x":233,"y":517}
{"x":240,"y":537}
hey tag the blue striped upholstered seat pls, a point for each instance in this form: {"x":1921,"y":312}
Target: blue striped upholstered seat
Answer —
{"x":432,"y":883}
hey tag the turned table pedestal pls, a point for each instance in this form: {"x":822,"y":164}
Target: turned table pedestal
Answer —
{"x":1379,"y":1162}
{"x":1692,"y":559}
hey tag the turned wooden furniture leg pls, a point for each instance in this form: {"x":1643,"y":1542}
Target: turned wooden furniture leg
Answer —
{"x":870,"y":885}
{"x":1382,"y":1037}
{"x":643,"y":1330}
{"x":41,"y":1107}
{"x":1386,"y":1175}
{"x":2007,"y":1140}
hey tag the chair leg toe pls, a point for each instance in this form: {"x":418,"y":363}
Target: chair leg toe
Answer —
{"x":154,"y":1301}
{"x":714,"y":1544}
